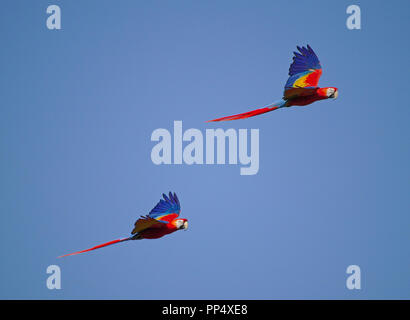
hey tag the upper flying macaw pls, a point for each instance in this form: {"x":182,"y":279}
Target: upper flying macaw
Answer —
{"x":160,"y":221}
{"x":301,"y":88}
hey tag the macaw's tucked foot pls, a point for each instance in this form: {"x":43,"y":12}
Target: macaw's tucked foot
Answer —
{"x":136,"y":237}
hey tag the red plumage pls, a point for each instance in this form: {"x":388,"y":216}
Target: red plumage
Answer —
{"x":300,"y":89}
{"x":162,"y":220}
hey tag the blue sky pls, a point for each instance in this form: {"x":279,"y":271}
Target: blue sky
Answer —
{"x":78,"y":106}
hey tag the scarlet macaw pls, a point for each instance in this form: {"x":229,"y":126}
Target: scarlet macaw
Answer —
{"x":160,"y":221}
{"x":301,"y":88}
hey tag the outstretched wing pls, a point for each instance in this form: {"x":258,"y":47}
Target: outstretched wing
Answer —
{"x":304,"y":73}
{"x":164,"y":208}
{"x":165,"y":211}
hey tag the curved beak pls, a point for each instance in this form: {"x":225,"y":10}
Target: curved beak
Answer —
{"x":335,"y":94}
{"x":185,"y":225}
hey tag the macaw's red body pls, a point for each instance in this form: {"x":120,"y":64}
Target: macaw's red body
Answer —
{"x":161,"y":220}
{"x":301,"y":88}
{"x":314,"y":95}
{"x":158,"y":230}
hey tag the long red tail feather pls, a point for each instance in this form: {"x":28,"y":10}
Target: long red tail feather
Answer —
{"x":248,"y":114}
{"x":96,"y":247}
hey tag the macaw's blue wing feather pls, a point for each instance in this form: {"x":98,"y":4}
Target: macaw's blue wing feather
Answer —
{"x":304,"y":61}
{"x":167,"y":206}
{"x":305,"y":70}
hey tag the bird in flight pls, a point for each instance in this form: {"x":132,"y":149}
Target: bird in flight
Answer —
{"x":162,"y":220}
{"x":301,"y":88}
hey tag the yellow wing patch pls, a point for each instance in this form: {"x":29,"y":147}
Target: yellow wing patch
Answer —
{"x":301,"y":82}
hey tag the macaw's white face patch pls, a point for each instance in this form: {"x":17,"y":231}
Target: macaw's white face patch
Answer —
{"x":332,"y":93}
{"x":236,"y":142}
{"x":179,"y":224}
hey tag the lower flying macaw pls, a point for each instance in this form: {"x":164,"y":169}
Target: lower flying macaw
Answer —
{"x":301,"y":88}
{"x":162,"y":220}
